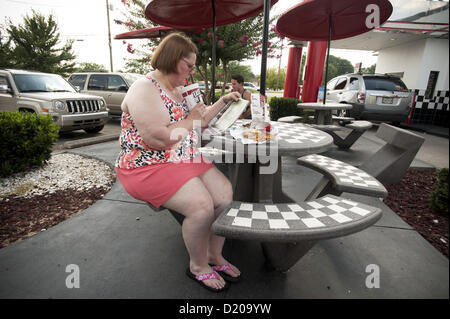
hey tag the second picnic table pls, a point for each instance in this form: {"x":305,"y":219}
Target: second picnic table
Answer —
{"x":323,"y":111}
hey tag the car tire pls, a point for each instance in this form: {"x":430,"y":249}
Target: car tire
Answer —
{"x":94,"y":129}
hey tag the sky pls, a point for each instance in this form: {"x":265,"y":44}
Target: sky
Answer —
{"x":85,"y":21}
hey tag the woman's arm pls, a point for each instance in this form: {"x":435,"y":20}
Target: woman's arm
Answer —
{"x":214,"y":109}
{"x":152,"y":118}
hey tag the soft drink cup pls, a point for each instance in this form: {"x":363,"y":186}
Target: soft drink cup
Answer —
{"x":192,"y":95}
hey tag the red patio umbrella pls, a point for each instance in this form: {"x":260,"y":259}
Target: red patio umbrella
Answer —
{"x":156,"y":32}
{"x":210,"y":13}
{"x":318,"y":20}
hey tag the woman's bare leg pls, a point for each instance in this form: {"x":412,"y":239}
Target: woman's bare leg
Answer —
{"x":221,"y":193}
{"x":199,"y":216}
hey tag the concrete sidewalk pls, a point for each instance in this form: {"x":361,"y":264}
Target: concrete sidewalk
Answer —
{"x":119,"y":256}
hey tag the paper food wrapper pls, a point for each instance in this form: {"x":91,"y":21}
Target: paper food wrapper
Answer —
{"x":237,"y":131}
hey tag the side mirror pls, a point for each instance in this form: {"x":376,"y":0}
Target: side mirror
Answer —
{"x":4,"y":89}
{"x":77,"y":88}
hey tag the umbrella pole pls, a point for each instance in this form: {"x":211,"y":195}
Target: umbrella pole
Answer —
{"x":262,"y":84}
{"x":213,"y":69}
{"x":326,"y":63}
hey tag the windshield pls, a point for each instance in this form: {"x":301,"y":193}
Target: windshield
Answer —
{"x":41,"y":83}
{"x":132,"y":77}
{"x":384,"y":84}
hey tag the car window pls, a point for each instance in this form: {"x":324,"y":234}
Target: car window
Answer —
{"x":331,"y":84}
{"x":341,"y":83}
{"x":384,"y":84}
{"x":98,"y":82}
{"x":115,"y":82}
{"x":41,"y":82}
{"x":4,"y":81}
{"x":130,"y":78}
{"x":354,"y":84}
{"x":78,"y":80}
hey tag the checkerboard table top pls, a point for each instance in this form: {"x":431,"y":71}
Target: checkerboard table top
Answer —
{"x":291,"y":137}
{"x":345,"y":177}
{"x":326,"y":217}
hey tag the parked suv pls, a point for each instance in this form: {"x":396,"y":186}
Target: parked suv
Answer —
{"x":377,"y":97}
{"x":45,"y":93}
{"x":111,"y":86}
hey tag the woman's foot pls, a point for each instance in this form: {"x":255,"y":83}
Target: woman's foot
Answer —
{"x":220,"y":261}
{"x":217,"y":284}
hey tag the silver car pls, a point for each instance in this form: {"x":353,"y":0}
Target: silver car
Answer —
{"x":375,"y":97}
{"x":45,"y":93}
{"x":111,"y":86}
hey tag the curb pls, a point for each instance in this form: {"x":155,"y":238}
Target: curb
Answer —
{"x":90,"y":141}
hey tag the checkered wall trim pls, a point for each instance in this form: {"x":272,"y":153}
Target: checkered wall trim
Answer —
{"x":438,"y":102}
{"x":432,"y":111}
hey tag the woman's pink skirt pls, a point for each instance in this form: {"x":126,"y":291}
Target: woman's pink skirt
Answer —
{"x":155,"y":184}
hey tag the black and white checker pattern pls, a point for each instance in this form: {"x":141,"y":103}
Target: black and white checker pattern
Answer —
{"x":297,"y":133}
{"x":343,"y":173}
{"x":437,"y":102}
{"x":328,"y":211}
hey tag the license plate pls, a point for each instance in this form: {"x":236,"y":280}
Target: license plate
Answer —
{"x":388,"y":100}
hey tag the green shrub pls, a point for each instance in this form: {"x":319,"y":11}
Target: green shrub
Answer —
{"x":439,"y":199}
{"x":26,"y":140}
{"x":284,"y":106}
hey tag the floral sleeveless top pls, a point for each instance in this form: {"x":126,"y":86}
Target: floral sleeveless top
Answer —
{"x":136,"y":153}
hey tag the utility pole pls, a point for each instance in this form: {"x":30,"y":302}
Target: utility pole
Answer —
{"x":109,"y":36}
{"x":279,"y":64}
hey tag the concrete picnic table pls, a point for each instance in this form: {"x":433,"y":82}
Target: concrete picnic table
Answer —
{"x":322,"y":114}
{"x":255,"y":169}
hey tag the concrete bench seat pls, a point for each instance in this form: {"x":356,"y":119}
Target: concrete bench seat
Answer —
{"x":342,"y":119}
{"x":357,"y":129}
{"x":288,"y":230}
{"x":327,"y":127}
{"x":290,"y":119}
{"x":341,"y":177}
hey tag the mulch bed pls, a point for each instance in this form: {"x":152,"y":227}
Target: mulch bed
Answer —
{"x":411,"y":200}
{"x":23,"y":217}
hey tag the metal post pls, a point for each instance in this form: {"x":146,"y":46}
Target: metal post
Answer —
{"x":213,"y":69}
{"x":326,"y":63}
{"x":262,"y":84}
{"x":109,"y":36}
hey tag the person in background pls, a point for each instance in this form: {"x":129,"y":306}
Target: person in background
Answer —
{"x":159,"y":162}
{"x":237,"y":82}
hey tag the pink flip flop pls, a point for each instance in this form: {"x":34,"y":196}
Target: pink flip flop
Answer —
{"x":221,"y":269}
{"x":201,"y":277}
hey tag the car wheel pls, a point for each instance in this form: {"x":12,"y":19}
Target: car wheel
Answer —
{"x":94,"y":129}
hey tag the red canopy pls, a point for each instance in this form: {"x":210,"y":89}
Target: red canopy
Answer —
{"x":156,"y":32}
{"x":309,"y":20}
{"x":199,"y":13}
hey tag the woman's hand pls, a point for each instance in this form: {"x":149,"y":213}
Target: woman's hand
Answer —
{"x":197,"y":113}
{"x":233,"y":96}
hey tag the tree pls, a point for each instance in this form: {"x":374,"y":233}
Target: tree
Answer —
{"x":90,"y":67}
{"x":234,"y":42}
{"x":369,"y":70}
{"x":336,"y":67}
{"x":34,"y":46}
{"x":272,"y":76}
